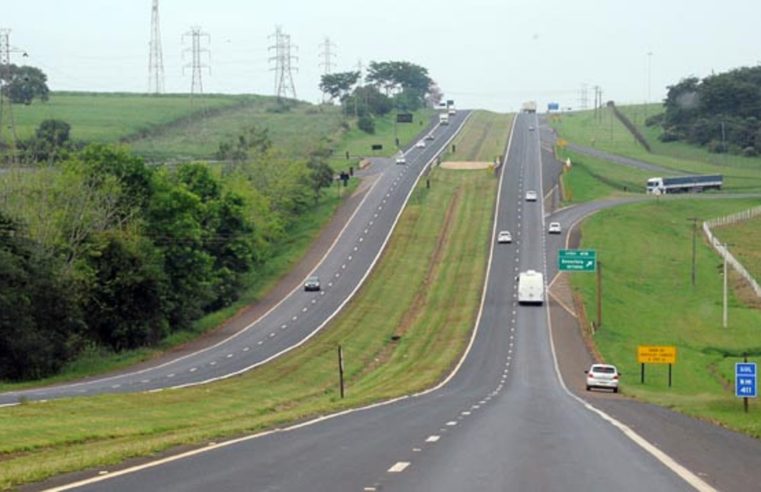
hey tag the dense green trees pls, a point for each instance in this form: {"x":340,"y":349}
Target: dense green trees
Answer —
{"x":23,"y":84}
{"x":403,"y":86}
{"x":103,"y":250}
{"x":722,"y":111}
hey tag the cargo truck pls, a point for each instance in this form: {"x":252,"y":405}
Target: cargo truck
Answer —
{"x":530,"y":287}
{"x":443,"y":119}
{"x":684,"y":184}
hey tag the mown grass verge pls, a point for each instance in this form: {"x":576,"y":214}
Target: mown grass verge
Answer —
{"x":594,"y":179}
{"x":430,"y":282}
{"x":609,"y":134}
{"x":289,"y":252}
{"x":745,"y":238}
{"x":649,"y":300}
{"x":482,"y":139}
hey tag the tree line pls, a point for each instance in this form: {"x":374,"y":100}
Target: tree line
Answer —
{"x":399,"y":85}
{"x":721,"y":112}
{"x":102,"y":250}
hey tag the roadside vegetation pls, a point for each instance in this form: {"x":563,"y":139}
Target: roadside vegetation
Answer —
{"x":431,"y":278}
{"x":483,"y":139}
{"x":649,"y":300}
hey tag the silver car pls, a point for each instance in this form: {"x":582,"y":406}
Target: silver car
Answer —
{"x":531,"y":196}
{"x":602,"y":376}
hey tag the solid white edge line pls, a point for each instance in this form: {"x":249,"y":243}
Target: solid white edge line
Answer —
{"x":643,"y":443}
{"x":323,"y":418}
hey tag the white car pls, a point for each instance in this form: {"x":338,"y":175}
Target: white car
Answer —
{"x":420,"y":144}
{"x":531,"y":196}
{"x":504,"y":237}
{"x":400,"y":159}
{"x":531,"y":128}
{"x":430,"y":136}
{"x":602,"y":376}
{"x":554,"y":228}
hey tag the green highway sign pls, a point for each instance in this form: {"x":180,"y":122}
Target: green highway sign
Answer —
{"x":577,"y":260}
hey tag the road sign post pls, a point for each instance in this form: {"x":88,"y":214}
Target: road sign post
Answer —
{"x":655,"y":354}
{"x":746,"y":381}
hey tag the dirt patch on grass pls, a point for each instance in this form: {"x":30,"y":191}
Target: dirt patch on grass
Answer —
{"x":467,"y":165}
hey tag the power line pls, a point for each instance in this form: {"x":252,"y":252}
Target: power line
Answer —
{"x":196,"y":66}
{"x":284,"y":66}
{"x":155,"y":57}
{"x":6,"y":107}
{"x":584,"y":97}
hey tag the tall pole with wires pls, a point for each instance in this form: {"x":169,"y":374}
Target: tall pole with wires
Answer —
{"x":196,"y":64}
{"x":284,"y":61}
{"x":155,"y":56}
{"x":6,"y":108}
{"x":327,"y":59}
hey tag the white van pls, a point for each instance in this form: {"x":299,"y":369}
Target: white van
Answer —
{"x":530,"y":287}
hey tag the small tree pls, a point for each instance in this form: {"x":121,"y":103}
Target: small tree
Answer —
{"x":25,"y":83}
{"x":366,"y":124}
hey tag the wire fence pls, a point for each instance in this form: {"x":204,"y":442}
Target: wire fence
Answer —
{"x":724,"y":251}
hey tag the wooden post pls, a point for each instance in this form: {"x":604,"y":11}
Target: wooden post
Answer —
{"x":599,"y":295}
{"x":341,"y":370}
{"x":642,"y":373}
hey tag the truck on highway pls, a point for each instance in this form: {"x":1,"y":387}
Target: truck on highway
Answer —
{"x":684,"y":184}
{"x":529,"y":107}
{"x":530,"y":287}
{"x":443,"y":119}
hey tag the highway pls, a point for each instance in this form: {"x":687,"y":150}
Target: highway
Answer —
{"x":503,"y":421}
{"x":300,"y":314}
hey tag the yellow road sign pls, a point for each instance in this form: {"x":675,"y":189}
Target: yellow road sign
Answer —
{"x":656,"y":354}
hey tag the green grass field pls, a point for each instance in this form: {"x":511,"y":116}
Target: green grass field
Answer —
{"x":745,"y":238}
{"x":594,"y":179}
{"x":483,"y":138}
{"x":107,"y":117}
{"x":608,"y":134}
{"x":430,"y":279}
{"x":656,"y":305}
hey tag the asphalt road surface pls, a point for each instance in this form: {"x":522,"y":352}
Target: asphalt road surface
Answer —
{"x":300,"y":314}
{"x":503,"y":421}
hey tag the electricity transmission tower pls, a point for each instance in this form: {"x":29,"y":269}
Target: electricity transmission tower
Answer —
{"x":283,"y":64}
{"x":327,"y":56}
{"x":584,"y":99}
{"x":6,"y":108}
{"x":196,"y":66}
{"x":155,"y":58}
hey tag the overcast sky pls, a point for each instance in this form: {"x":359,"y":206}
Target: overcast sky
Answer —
{"x":483,"y":54}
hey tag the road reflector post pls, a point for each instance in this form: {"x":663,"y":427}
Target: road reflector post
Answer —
{"x":655,"y":354}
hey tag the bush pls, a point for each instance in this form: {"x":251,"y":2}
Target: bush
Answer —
{"x":366,"y":124}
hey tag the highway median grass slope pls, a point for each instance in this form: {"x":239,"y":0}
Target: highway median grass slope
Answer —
{"x":425,"y":290}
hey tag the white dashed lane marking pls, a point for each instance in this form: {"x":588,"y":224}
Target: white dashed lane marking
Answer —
{"x":399,"y":467}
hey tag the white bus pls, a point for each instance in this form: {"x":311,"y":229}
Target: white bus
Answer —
{"x":530,"y":287}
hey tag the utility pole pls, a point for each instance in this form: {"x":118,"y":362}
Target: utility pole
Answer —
{"x":6,"y":107}
{"x":584,"y":97}
{"x":694,"y":239}
{"x":724,"y":311}
{"x":284,"y":64}
{"x":327,"y":58}
{"x":155,"y":57}
{"x":195,"y":34}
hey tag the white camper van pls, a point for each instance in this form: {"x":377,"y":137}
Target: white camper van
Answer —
{"x":530,"y":287}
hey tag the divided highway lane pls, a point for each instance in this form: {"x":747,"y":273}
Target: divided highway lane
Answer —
{"x":301,"y":313}
{"x":502,"y":422}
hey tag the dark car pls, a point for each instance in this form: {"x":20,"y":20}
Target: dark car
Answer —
{"x":312,"y":283}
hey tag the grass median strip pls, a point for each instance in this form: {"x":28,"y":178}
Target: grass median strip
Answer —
{"x":430,"y":278}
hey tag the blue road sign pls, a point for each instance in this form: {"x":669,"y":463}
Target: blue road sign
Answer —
{"x":746,"y":380}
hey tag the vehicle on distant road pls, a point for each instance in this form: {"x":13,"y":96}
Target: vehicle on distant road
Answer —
{"x":530,"y":287}
{"x":312,"y":284}
{"x":429,"y":137}
{"x":554,"y":228}
{"x":529,"y":107}
{"x":684,"y":184}
{"x":602,"y":376}
{"x":400,"y":159}
{"x":531,"y":196}
{"x":452,"y":111}
{"x":504,"y":237}
{"x":531,"y":128}
{"x":443,"y":119}
{"x":420,"y":144}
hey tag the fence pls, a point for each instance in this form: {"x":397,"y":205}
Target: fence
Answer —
{"x":724,"y":251}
